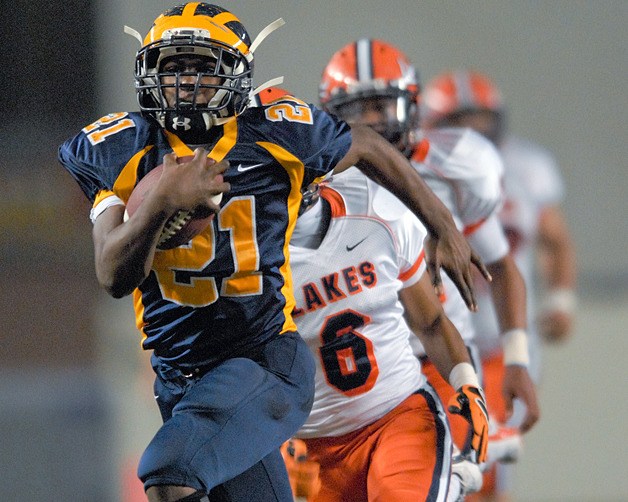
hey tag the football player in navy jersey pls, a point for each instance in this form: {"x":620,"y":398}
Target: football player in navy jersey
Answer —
{"x":234,"y":380}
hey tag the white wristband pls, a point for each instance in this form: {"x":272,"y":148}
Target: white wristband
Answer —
{"x":559,"y":300}
{"x":515,"y":346}
{"x":463,"y":374}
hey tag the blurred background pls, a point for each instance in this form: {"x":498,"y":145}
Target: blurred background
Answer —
{"x":75,"y":402}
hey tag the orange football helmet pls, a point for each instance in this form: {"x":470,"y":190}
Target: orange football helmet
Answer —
{"x":372,"y":74}
{"x":452,"y":95}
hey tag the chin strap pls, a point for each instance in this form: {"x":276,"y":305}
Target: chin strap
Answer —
{"x":134,"y":33}
{"x":278,"y":23}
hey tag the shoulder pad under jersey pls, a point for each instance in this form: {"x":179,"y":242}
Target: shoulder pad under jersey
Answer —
{"x":536,"y":167}
{"x":317,"y":139}
{"x":98,"y":153}
{"x":472,"y":167}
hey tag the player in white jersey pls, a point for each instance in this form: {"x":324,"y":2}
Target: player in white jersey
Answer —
{"x":377,"y":429}
{"x":373,"y":83}
{"x":533,"y":221}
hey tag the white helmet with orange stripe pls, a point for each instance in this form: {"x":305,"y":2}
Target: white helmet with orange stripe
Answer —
{"x":373,"y":83}
{"x":463,"y":99}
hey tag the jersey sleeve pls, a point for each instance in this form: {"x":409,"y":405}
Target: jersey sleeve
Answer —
{"x":319,"y":140}
{"x":97,"y":154}
{"x":473,"y":168}
{"x":410,"y":234}
{"x":489,"y":240}
{"x":550,"y":183}
{"x":331,"y":142}
{"x":76,"y":157}
{"x":540,"y":170}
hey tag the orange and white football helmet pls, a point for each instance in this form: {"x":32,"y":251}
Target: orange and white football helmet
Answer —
{"x":450,"y":98}
{"x":373,"y":76}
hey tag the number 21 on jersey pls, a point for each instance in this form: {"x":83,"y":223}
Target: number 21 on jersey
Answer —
{"x":189,"y":284}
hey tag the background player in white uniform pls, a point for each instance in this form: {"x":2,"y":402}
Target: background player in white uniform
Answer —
{"x":378,"y":431}
{"x":532,"y":219}
{"x":373,"y":83}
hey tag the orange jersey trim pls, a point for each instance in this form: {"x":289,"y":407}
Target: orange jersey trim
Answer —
{"x":410,"y":272}
{"x":335,"y":200}
{"x":421,"y":150}
{"x":102,"y":195}
{"x":139,"y":313}
{"x":220,"y":150}
{"x":469,"y":229}
{"x":125,"y":183}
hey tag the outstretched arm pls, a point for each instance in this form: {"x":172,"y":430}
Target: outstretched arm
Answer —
{"x":427,"y":320}
{"x":447,"y":248}
{"x":446,"y":349}
{"x":509,"y":297}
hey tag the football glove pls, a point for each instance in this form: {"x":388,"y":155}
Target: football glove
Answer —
{"x":303,"y":473}
{"x":470,"y":403}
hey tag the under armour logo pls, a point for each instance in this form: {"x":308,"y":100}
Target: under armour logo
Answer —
{"x":182,"y":122}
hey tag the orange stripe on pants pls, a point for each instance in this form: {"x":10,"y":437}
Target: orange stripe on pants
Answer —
{"x":493,"y":369}
{"x":459,"y":426}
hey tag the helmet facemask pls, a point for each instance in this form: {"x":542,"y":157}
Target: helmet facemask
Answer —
{"x":489,"y":123}
{"x":391,"y":112}
{"x":176,"y":95}
{"x":464,"y":98}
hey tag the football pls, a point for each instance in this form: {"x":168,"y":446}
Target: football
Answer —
{"x":182,"y":226}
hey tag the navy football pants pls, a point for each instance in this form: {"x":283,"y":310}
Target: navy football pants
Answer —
{"x":228,"y":424}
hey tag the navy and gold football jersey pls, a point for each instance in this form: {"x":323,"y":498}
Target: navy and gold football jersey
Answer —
{"x":229,"y":289}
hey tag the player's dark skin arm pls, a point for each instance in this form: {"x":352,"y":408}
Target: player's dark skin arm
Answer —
{"x":124,"y":252}
{"x":508,"y":292}
{"x":446,"y":248}
{"x":427,"y":320}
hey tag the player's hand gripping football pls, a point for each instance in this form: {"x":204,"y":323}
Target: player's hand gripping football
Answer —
{"x":470,"y":403}
{"x":194,"y":183}
{"x":453,"y":253}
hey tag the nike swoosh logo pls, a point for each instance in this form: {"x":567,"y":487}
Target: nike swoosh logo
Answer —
{"x":351,"y":248}
{"x":242,"y":168}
